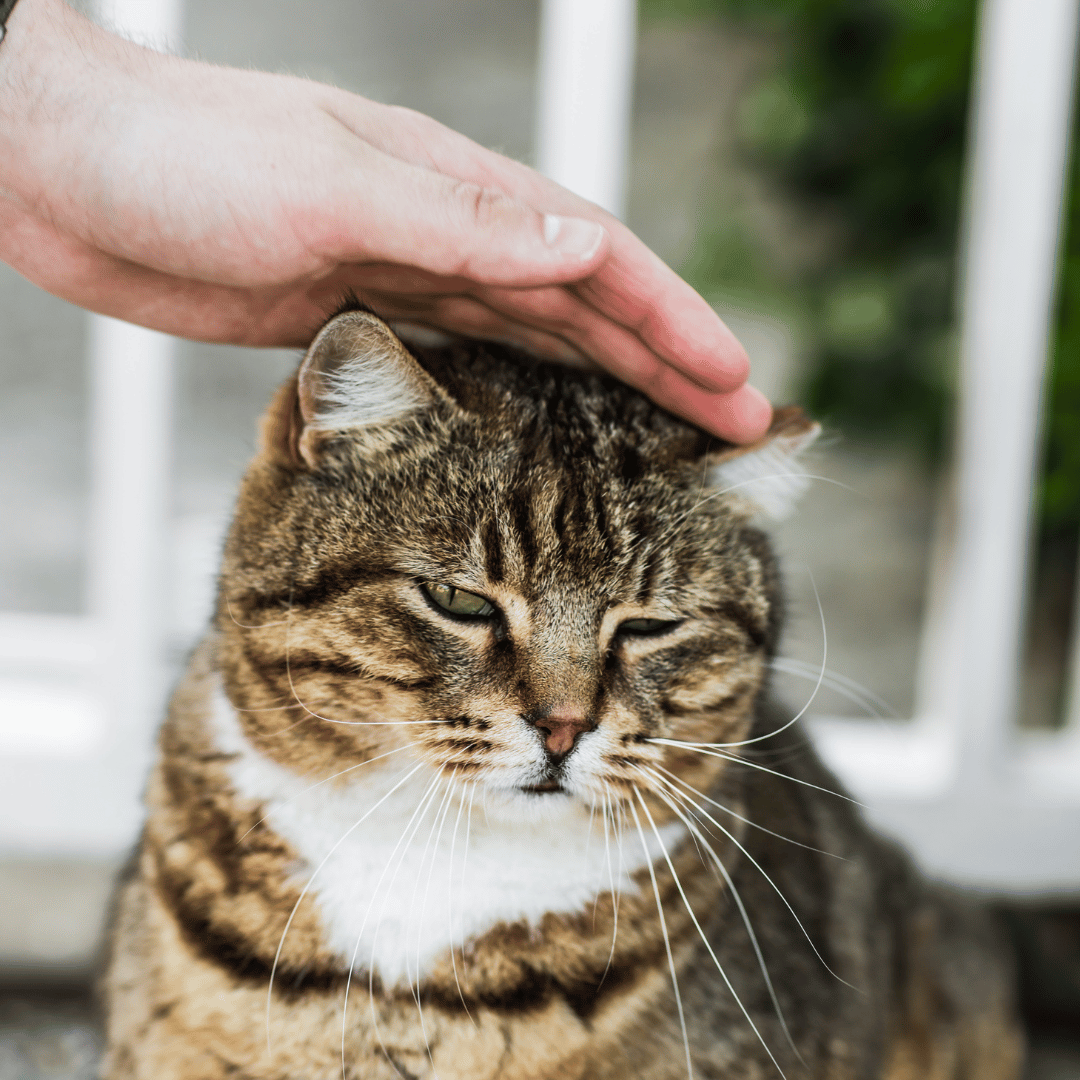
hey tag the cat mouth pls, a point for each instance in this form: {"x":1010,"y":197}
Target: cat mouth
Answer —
{"x":548,"y":787}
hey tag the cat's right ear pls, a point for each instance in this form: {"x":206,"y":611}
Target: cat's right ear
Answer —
{"x":766,"y":476}
{"x":356,"y":374}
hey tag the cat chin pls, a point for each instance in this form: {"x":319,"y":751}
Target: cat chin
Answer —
{"x":519,"y":805}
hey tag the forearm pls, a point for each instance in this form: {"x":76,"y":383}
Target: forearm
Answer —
{"x":57,"y":70}
{"x":46,"y":60}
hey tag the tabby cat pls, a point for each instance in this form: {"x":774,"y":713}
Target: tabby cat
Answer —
{"x":476,"y":775}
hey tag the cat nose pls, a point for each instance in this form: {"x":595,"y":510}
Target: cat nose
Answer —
{"x":562,"y":725}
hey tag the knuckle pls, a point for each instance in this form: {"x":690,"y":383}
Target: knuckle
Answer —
{"x":483,"y":208}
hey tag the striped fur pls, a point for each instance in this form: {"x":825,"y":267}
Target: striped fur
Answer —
{"x":342,"y":746}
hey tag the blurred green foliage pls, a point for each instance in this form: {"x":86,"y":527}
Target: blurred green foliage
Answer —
{"x":1060,"y":495}
{"x":864,"y":116}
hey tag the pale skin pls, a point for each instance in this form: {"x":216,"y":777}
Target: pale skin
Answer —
{"x":239,"y":206}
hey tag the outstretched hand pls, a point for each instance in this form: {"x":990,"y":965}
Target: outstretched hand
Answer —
{"x":239,"y":206}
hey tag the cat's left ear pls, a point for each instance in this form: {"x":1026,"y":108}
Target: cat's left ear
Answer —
{"x":355,"y":374}
{"x":766,"y":476}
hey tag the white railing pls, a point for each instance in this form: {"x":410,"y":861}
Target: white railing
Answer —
{"x":79,"y":696}
{"x":586,"y":96}
{"x":978,"y":802}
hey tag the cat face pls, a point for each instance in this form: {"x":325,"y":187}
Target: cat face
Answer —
{"x":519,"y":575}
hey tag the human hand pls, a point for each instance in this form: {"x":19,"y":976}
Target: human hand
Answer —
{"x":239,"y":206}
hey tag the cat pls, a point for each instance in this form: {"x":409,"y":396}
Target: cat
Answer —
{"x":476,"y":773}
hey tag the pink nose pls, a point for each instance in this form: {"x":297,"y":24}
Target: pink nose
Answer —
{"x":563,"y":724}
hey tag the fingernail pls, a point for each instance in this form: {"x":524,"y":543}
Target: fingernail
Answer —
{"x":573,"y":237}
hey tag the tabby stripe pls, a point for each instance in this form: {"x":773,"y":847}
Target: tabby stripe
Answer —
{"x":521,"y":520}
{"x":671,"y":709}
{"x":307,"y":664}
{"x":493,"y":551}
{"x":467,"y":745}
{"x":301,"y":663}
{"x":260,"y":668}
{"x":741,"y":616}
{"x":558,"y":521}
{"x":230,"y":950}
{"x":647,"y":571}
{"x":328,"y":587}
{"x":600,"y":515}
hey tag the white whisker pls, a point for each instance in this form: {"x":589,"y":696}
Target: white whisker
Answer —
{"x":841,"y":684}
{"x":409,"y":921}
{"x":706,"y":749}
{"x":743,"y":914}
{"x":606,"y":808}
{"x":735,"y":840}
{"x":667,"y":939}
{"x":363,"y":925}
{"x":378,"y":723}
{"x":760,"y":479}
{"x":464,"y":863}
{"x":351,"y":768}
{"x":607,"y":852}
{"x":589,"y":831}
{"x":701,"y":932}
{"x":450,"y":911}
{"x":330,"y":719}
{"x":440,"y":820}
{"x":673,"y":527}
{"x":821,"y":675}
{"x":258,"y":626}
{"x":618,"y":822}
{"x":747,"y":821}
{"x":418,"y":815}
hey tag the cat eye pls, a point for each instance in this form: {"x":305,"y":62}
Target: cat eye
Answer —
{"x":457,"y":601}
{"x":648,"y":627}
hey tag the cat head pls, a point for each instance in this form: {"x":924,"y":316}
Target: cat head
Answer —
{"x":519,"y":574}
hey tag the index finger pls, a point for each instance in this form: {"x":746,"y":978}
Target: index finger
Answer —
{"x":634,"y":287}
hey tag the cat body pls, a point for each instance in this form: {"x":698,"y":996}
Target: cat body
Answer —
{"x":476,"y":774}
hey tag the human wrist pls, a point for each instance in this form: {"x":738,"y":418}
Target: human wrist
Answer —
{"x":52,"y":62}
{"x":33,"y":28}
{"x":39,"y":32}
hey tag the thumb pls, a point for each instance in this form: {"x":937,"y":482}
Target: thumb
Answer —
{"x":457,"y":228}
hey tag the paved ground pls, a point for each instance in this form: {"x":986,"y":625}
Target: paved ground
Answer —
{"x":48,"y":1036}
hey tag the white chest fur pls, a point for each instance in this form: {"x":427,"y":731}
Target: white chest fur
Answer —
{"x":404,"y":865}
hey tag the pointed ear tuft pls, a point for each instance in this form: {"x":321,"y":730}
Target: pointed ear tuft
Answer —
{"x":356,"y":374}
{"x":767,"y":475}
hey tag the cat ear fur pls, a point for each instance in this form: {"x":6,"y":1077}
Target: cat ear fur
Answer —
{"x":766,"y":475}
{"x":355,"y":374}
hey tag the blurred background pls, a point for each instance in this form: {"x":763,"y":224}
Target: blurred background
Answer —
{"x":807,"y":165}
